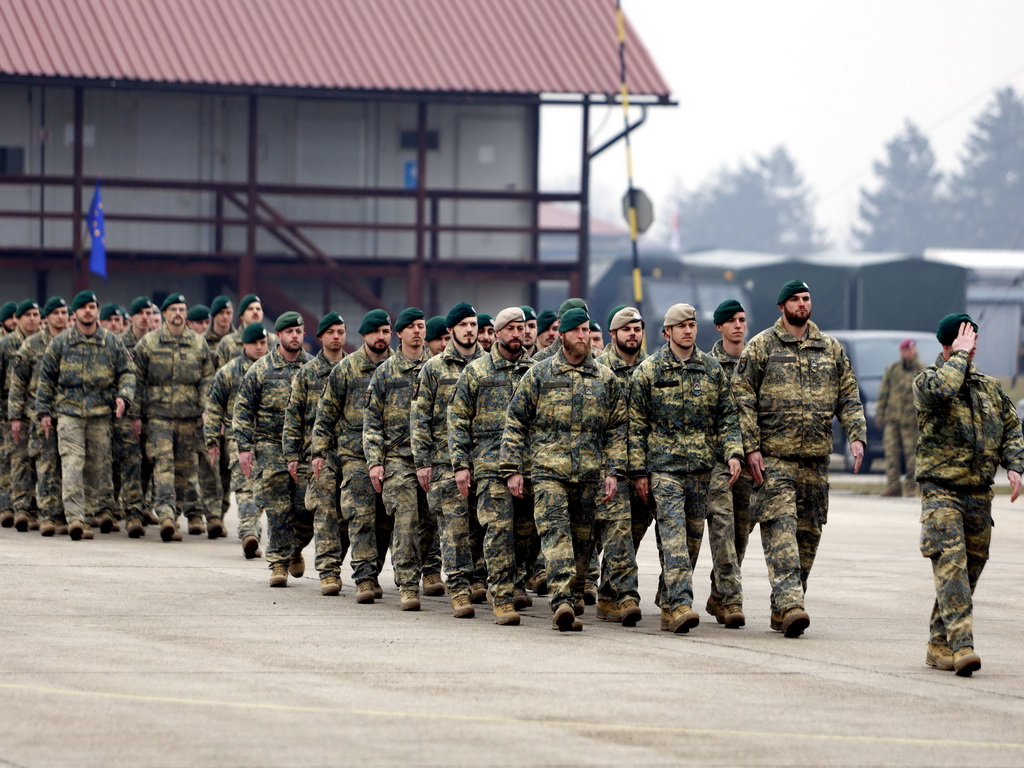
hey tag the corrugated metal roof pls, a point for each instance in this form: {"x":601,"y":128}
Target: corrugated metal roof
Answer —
{"x":453,"y":46}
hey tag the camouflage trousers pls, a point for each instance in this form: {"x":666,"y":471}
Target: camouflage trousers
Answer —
{"x":249,"y":512}
{"x":956,"y":528}
{"x":900,"y":444}
{"x":127,"y":469}
{"x":172,"y":445}
{"x":509,"y":535}
{"x":6,"y":504}
{"x":613,"y":535}
{"x":459,"y":531}
{"x":641,"y":516}
{"x":86,"y":482}
{"x":414,"y":543}
{"x":791,"y":506}
{"x":565,"y":514}
{"x":211,"y":492}
{"x":289,"y":523}
{"x":681,"y":507}
{"x":48,"y":485}
{"x":728,"y":532}
{"x":329,"y":532}
{"x":223,"y":470}
{"x":23,"y":473}
{"x":369,"y":525}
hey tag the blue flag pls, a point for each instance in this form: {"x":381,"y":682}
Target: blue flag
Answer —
{"x":98,"y":235}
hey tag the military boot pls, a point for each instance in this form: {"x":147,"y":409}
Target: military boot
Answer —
{"x":608,"y":609}
{"x":169,"y":531}
{"x":893,"y":489}
{"x":939,"y":656}
{"x":7,"y":518}
{"x":378,"y":592}
{"x":506,"y":615}
{"x":297,"y":565}
{"x":21,"y":522}
{"x":364,"y":592}
{"x":462,"y":608}
{"x":106,"y":522}
{"x":135,"y":528}
{"x":195,"y":526}
{"x":330,"y":586}
{"x":629,"y":612}
{"x":679,"y":620}
{"x":76,"y":529}
{"x":432,"y":585}
{"x":409,"y":600}
{"x":564,"y":619}
{"x":794,"y":622}
{"x":214,"y":528}
{"x":966,"y":661}
{"x":590,"y":593}
{"x":538,"y":583}
{"x":33,"y":523}
{"x":279,"y":575}
{"x":47,"y":528}
{"x":520,"y":599}
{"x":732,"y":617}
{"x":714,"y":608}
{"x":251,"y":547}
{"x":477,"y":592}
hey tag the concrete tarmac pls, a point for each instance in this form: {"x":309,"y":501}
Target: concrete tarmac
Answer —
{"x":119,"y":652}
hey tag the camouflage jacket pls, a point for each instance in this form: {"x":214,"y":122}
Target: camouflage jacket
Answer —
{"x":389,"y":399}
{"x":476,"y":414}
{"x":549,"y":351}
{"x":300,"y":413}
{"x":258,"y":417}
{"x":84,"y":375}
{"x":220,"y":401}
{"x":570,"y":420}
{"x":230,"y":346}
{"x":428,"y":418}
{"x":682,"y":415}
{"x":213,"y":338}
{"x":623,"y":370}
{"x":174,"y":373}
{"x":896,"y":393}
{"x":789,"y":389}
{"x":338,"y":429}
{"x":9,"y":346}
{"x":727,"y":361}
{"x":968,"y":425}
{"x":24,"y":376}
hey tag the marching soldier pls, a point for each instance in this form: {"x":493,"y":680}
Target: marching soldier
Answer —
{"x":485,"y":331}
{"x":437,"y":335}
{"x":898,"y":418}
{"x":22,"y":482}
{"x":250,"y":310}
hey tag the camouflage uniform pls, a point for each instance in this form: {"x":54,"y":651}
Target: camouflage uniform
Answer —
{"x":570,"y":420}
{"x":80,"y":379}
{"x":682,"y":417}
{"x":476,"y":418}
{"x":174,"y":373}
{"x":130,"y":467}
{"x":338,"y":440}
{"x":9,"y":346}
{"x":788,"y":390}
{"x":460,"y":532}
{"x":321,"y":495}
{"x":898,"y":418}
{"x":223,"y":468}
{"x":968,"y":426}
{"x":257,"y":427}
{"x":230,"y":346}
{"x":21,"y":359}
{"x":386,"y":442}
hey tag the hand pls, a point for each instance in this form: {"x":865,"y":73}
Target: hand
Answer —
{"x":611,"y":485}
{"x":857,"y":451}
{"x":735,"y":468}
{"x":245,"y":462}
{"x":318,"y":464}
{"x":45,"y":423}
{"x":424,"y":476}
{"x":377,"y":478}
{"x":118,"y":408}
{"x":214,"y":453}
{"x":965,"y":340}
{"x":1014,"y":484}
{"x":16,"y":430}
{"x":293,"y":470}
{"x":137,"y":428}
{"x":755,"y":463}
{"x":515,"y":485}
{"x":463,"y":479}
{"x":642,"y":486}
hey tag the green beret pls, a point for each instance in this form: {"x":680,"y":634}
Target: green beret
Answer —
{"x":248,"y":299}
{"x":949,"y":327}
{"x":483,"y":320}
{"x":546,"y":319}
{"x":219,"y":304}
{"x":458,"y":313}
{"x":727,"y":309}
{"x":28,"y":304}
{"x":594,"y":326}
{"x":288,"y":320}
{"x":139,"y":304}
{"x":437,"y":327}
{"x":173,"y":298}
{"x":81,"y":299}
{"x":7,"y":310}
{"x":573,"y":318}
{"x":791,"y":288}
{"x":572,"y":304}
{"x":529,"y":313}
{"x":612,"y":314}
{"x":331,"y":318}
{"x":253,"y":332}
{"x":198,"y":313}
{"x":407,"y":317}
{"x":52,"y":303}
{"x":373,"y":320}
{"x":107,"y":311}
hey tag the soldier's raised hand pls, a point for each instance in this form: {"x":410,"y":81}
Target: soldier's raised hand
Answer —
{"x":966,"y":340}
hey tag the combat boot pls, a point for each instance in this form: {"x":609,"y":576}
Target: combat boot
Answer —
{"x":251,"y":547}
{"x":775,"y":622}
{"x":520,"y":599}
{"x":214,"y":528}
{"x":679,"y":620}
{"x":409,"y":600}
{"x":477,"y":592}
{"x":330,"y":586}
{"x":169,"y":530}
{"x":538,"y":583}
{"x":590,"y":593}
{"x":794,"y":622}
{"x":715,"y":608}
{"x":150,"y":518}
{"x":966,"y":661}
{"x":506,"y":615}
{"x":135,"y":528}
{"x":33,"y":523}
{"x":378,"y":592}
{"x":462,"y":608}
{"x":106,"y":522}
{"x":7,"y":518}
{"x":564,"y":619}
{"x":364,"y":592}
{"x":115,"y":526}
{"x":629,"y":612}
{"x":279,"y":575}
{"x":86,"y":531}
{"x":893,"y":489}
{"x":609,"y":610}
{"x":21,"y":522}
{"x":47,"y":528}
{"x":76,"y":529}
{"x":195,"y":526}
{"x":939,"y":656}
{"x":62,"y":530}
{"x":297,"y":565}
{"x":732,"y":617}
{"x":432,"y":585}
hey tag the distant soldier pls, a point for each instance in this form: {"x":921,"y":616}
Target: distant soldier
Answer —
{"x":485,"y":331}
{"x":7,"y":320}
{"x":112,"y":319}
{"x":437,"y":335}
{"x":567,"y":422}
{"x":596,"y":338}
{"x":222,"y":312}
{"x":530,"y":332}
{"x":789,"y":383}
{"x":22,"y":483}
{"x":85,"y":377}
{"x":250,"y":310}
{"x":7,"y":325}
{"x":258,"y":426}
{"x":133,"y":472}
{"x":210,"y":488}
{"x":321,"y":498}
{"x":898,"y":418}
{"x":547,"y":334}
{"x":968,"y":427}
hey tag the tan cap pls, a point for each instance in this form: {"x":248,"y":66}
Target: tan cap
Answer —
{"x":678,"y":313}
{"x":624,"y":316}
{"x":509,"y":315}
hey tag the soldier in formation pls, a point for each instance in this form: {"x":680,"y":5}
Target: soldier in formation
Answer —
{"x":897,"y":417}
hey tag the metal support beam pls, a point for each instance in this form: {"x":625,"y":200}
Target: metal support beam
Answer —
{"x":579,"y":286}
{"x":247,"y":265}
{"x":414,"y":288}
{"x":79,"y":264}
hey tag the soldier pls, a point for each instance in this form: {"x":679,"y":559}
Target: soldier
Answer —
{"x":337,"y":449}
{"x":257,"y":426}
{"x":219,"y":437}
{"x":210,"y":488}
{"x":968,"y":426}
{"x":112,"y":318}
{"x":728,"y":501}
{"x":547,"y":333}
{"x":569,"y":416}
{"x":392,"y":471}
{"x":23,"y":478}
{"x":43,"y":465}
{"x":7,"y":325}
{"x":530,"y":332}
{"x":681,"y":414}
{"x":461,"y":536}
{"x":322,"y":490}
{"x":485,"y":331}
{"x":898,"y":418}
{"x":174,"y":372}
{"x":138,"y":326}
{"x":789,"y":382}
{"x":132,"y":470}
{"x":476,"y":418}
{"x":437,"y":336}
{"x":154,"y":318}
{"x":596,"y":338}
{"x":7,"y":320}
{"x":198,"y":319}
{"x":222,"y":312}
{"x":85,"y":377}
{"x":250,"y":310}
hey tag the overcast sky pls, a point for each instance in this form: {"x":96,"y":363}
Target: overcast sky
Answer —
{"x":832,"y":81}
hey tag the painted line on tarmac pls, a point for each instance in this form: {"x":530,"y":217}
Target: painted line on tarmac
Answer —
{"x":572,"y":724}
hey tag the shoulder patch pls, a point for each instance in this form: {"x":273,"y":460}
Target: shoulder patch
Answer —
{"x":741,"y":366}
